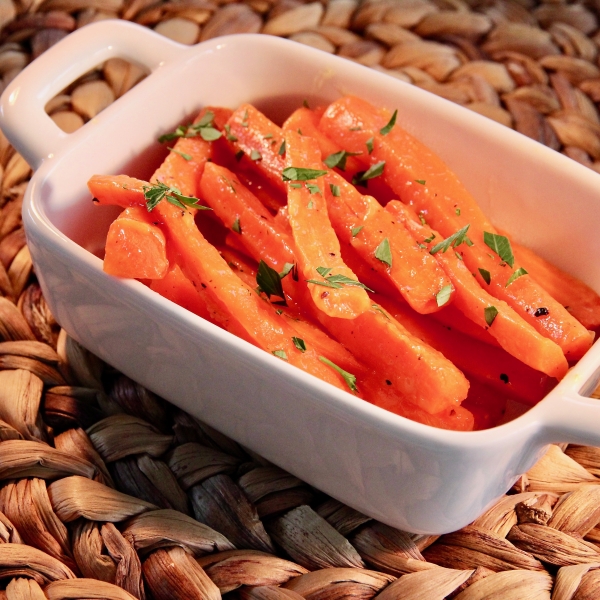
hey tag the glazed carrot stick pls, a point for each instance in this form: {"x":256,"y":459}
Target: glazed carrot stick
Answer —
{"x":184,"y":164}
{"x":578,"y":298}
{"x":135,"y":247}
{"x":512,"y":332}
{"x":179,"y":289}
{"x":387,"y":246}
{"x":486,"y":363}
{"x":251,"y":317}
{"x":404,"y":359}
{"x":345,"y":164}
{"x":260,"y":140}
{"x":422,"y":179}
{"x":247,"y":217}
{"x":334,"y":288}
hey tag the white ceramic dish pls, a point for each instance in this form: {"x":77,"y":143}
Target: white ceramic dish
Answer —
{"x":408,"y":475}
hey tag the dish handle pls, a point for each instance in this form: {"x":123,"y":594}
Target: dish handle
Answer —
{"x":571,"y":417}
{"x":22,"y":106}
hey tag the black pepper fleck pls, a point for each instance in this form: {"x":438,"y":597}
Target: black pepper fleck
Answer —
{"x":541,"y":312}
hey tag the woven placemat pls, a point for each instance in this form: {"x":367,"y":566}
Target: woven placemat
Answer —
{"x":110,"y":492}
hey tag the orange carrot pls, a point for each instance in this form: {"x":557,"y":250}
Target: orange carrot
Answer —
{"x":251,"y":317}
{"x":317,"y":247}
{"x":307,"y":121}
{"x":387,"y":246}
{"x":512,"y":332}
{"x":260,"y":140}
{"x":179,"y":289}
{"x":578,"y":298}
{"x":422,"y":179}
{"x":486,"y":363}
{"x":184,"y":164}
{"x":135,"y":247}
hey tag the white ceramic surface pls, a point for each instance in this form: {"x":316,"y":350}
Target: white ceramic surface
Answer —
{"x":405,"y":474}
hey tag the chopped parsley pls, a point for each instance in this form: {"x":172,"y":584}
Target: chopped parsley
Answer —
{"x":269,"y":280}
{"x":313,"y":188}
{"x":301,"y":174}
{"x":255,"y":155}
{"x":383,"y":252}
{"x":335,"y":190}
{"x":369,"y":145}
{"x":490,"y":313}
{"x":356,"y":230}
{"x":500,"y":244}
{"x":420,"y":181}
{"x":518,"y":273}
{"x":182,"y":154}
{"x":159,"y":191}
{"x":374,"y":171}
{"x":299,"y":343}
{"x":453,"y":241}
{"x":385,"y":130}
{"x":443,"y":296}
{"x":485,"y":275}
{"x":203,"y":128}
{"x":338,"y":159}
{"x":348,"y":377}
{"x":336,"y":281}
{"x":280,"y":354}
{"x":236,"y":226}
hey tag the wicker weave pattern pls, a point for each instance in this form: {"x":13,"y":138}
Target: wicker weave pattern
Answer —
{"x":109,"y":492}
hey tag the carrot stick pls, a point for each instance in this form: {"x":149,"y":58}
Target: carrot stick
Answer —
{"x":179,"y":289}
{"x":317,"y":247}
{"x":387,"y":246}
{"x":307,"y":121}
{"x":578,"y":298}
{"x":184,"y":164}
{"x":512,"y":332}
{"x":488,"y":364}
{"x":250,"y":317}
{"x":135,"y":247}
{"x":260,"y":140}
{"x":422,"y":179}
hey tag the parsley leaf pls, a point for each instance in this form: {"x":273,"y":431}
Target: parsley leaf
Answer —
{"x":374,"y":171}
{"x":313,"y":188}
{"x":518,"y":273}
{"x":348,"y":377}
{"x":485,"y":275}
{"x":203,"y":128}
{"x":420,"y":181}
{"x":369,"y":145}
{"x":443,"y":296}
{"x":299,"y":343}
{"x":490,"y":313}
{"x":335,"y":190}
{"x":159,"y":191}
{"x":336,"y":281}
{"x":383,"y":252}
{"x":301,"y":174}
{"x":385,"y":130}
{"x":500,"y":245}
{"x":182,"y":154}
{"x":339,"y":159}
{"x":280,"y":354}
{"x":281,"y":150}
{"x":269,"y":280}
{"x":356,"y":230}
{"x":453,"y":241}
{"x":230,"y":137}
{"x":255,"y":155}
{"x":236,"y":226}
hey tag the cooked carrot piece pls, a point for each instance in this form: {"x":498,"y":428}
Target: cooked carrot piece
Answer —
{"x":387,"y":246}
{"x":179,"y":289}
{"x":241,"y":211}
{"x":250,"y":317}
{"x":422,"y":179}
{"x":135,"y":248}
{"x":578,"y":298}
{"x":512,"y":332}
{"x":334,"y":288}
{"x":488,"y":364}
{"x":184,"y":164}
{"x":307,"y":121}
{"x":260,"y":140}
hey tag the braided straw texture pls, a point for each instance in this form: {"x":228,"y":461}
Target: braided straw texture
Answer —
{"x":109,"y":492}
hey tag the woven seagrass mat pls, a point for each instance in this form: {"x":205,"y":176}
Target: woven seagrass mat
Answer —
{"x":109,"y":492}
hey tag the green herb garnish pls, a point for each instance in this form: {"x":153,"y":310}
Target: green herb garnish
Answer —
{"x":339,"y":159}
{"x":485,"y":275}
{"x":356,"y":230}
{"x":443,"y":295}
{"x":280,"y":354}
{"x":390,"y":124}
{"x":490,"y":313}
{"x":301,"y":174}
{"x":453,"y":241}
{"x":374,"y":171}
{"x":369,"y":145}
{"x":236,"y":226}
{"x":348,"y":377}
{"x":182,"y":154}
{"x":313,"y":188}
{"x":336,"y":281}
{"x":159,"y":191}
{"x":500,"y":244}
{"x":299,"y":343}
{"x":269,"y":281}
{"x":383,"y":252}
{"x":518,"y":273}
{"x":335,"y":190}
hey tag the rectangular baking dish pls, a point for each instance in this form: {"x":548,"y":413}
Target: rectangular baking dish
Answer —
{"x":403,"y":473}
